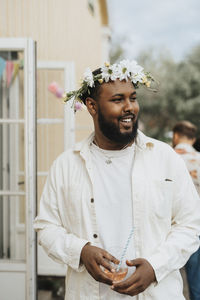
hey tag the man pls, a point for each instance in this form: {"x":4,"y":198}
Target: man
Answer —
{"x":184,"y":136}
{"x":115,"y":182}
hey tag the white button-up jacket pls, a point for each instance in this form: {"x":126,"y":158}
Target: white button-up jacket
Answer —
{"x":166,"y":210}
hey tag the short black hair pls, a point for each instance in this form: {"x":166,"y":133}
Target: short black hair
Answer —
{"x":94,"y":91}
{"x":196,"y":145}
{"x":185,"y":128}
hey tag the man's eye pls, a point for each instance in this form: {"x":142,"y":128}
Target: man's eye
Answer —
{"x":117,"y":100}
{"x":133,"y":98}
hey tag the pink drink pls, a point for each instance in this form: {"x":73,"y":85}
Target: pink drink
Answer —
{"x":117,"y":275}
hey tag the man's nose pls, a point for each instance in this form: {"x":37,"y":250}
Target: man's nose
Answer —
{"x":128,"y":105}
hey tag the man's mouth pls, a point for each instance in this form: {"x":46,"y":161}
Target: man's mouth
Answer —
{"x":127,"y":120}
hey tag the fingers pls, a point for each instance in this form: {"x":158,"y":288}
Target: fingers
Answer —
{"x":138,"y":281}
{"x":98,"y":274}
{"x":102,"y":277}
{"x":132,"y":290}
{"x":132,"y":286}
{"x":93,"y":258}
{"x":134,"y":262}
{"x":130,"y":281}
{"x":110,"y":257}
{"x":107,"y":265}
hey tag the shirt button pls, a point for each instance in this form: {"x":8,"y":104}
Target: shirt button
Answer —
{"x":92,"y":200}
{"x":95,"y":235}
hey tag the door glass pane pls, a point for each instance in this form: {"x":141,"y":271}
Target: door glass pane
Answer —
{"x":12,"y":227}
{"x":11,"y":85}
{"x":12,"y":156}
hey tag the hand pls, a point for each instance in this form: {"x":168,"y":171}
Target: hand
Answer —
{"x":92,"y":257}
{"x":138,"y":282}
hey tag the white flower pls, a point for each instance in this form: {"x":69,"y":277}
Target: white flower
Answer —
{"x":130,"y":70}
{"x":109,"y":73}
{"x":124,"y":70}
{"x":105,"y":74}
{"x":138,"y":77}
{"x":88,"y":77}
{"x":137,"y":73}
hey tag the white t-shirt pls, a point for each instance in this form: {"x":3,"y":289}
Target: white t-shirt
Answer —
{"x":113,"y":204}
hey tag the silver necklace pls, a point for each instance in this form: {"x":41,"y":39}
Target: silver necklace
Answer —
{"x":108,"y":157}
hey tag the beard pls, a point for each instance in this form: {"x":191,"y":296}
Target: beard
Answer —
{"x":113,"y":133}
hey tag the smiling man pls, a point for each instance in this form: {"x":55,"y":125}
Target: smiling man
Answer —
{"x":119,"y":194}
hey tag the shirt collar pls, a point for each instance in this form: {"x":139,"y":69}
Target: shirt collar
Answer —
{"x":185,"y":146}
{"x":142,"y":142}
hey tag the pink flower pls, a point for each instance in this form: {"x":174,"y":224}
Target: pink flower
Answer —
{"x":78,"y":106}
{"x":53,"y":87}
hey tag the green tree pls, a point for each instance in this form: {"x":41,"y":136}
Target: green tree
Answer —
{"x":178,"y":93}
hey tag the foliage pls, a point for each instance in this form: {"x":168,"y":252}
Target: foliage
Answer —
{"x":116,"y":54}
{"x":178,"y":95}
{"x":117,"y":51}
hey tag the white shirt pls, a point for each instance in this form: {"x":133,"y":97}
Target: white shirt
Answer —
{"x":167,"y":225}
{"x":113,"y":203}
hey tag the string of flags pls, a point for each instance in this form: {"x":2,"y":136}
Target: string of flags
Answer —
{"x":11,"y":69}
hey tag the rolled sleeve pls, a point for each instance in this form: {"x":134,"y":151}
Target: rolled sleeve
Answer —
{"x":61,"y":246}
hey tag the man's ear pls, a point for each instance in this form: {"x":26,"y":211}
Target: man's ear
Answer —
{"x":91,"y":106}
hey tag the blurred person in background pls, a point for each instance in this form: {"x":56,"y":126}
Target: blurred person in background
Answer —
{"x":196,"y":144}
{"x":184,"y":137}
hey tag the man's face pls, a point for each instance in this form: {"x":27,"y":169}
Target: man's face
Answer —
{"x":118,"y":111}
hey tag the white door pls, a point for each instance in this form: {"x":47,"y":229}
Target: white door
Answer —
{"x":55,"y":133}
{"x":17,"y":169}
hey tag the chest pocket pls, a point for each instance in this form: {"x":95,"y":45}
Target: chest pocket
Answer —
{"x":161,"y":195}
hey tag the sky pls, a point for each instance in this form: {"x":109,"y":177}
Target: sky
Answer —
{"x":165,"y":25}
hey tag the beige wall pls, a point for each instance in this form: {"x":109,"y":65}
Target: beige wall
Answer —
{"x":65,"y":30}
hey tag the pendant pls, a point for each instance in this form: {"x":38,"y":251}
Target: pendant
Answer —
{"x":108,"y":161}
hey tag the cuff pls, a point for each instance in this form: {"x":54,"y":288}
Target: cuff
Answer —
{"x":159,"y":268}
{"x":75,"y":254}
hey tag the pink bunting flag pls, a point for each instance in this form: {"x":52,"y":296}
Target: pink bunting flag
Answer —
{"x":9,"y":71}
{"x":55,"y":89}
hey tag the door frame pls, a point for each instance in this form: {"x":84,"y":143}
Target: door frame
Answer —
{"x":46,"y":266}
{"x":28,"y":46}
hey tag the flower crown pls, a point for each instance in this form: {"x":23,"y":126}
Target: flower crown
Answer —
{"x":124,"y":70}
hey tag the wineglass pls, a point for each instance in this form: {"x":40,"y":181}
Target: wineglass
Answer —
{"x":121,"y":269}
